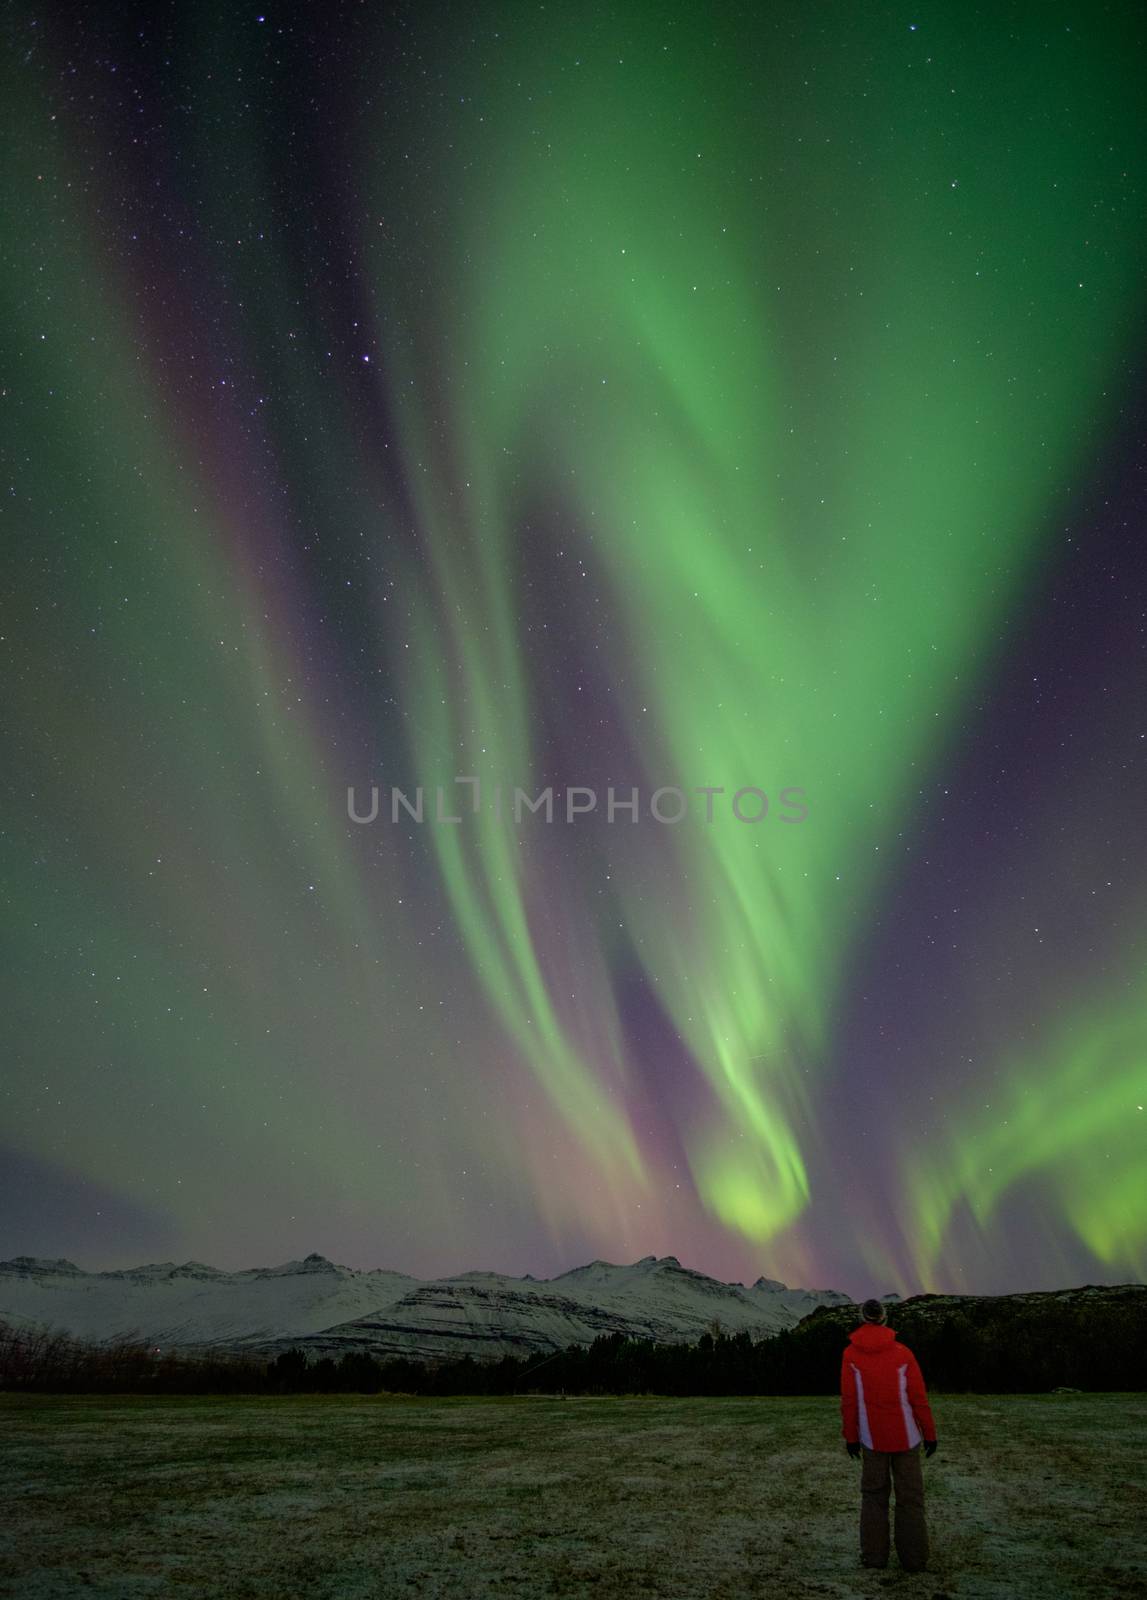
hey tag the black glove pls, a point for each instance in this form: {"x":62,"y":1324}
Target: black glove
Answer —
{"x":854,"y":1451}
{"x":930,"y":1447}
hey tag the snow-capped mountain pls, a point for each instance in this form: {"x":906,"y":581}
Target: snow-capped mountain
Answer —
{"x":191,"y":1304}
{"x":327,"y":1309}
{"x":486,"y":1314}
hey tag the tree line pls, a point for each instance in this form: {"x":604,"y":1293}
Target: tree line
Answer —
{"x":1087,"y":1340}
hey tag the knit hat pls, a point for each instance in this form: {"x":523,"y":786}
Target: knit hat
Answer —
{"x":873,"y":1311}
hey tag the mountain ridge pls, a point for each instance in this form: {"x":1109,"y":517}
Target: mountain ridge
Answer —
{"x":318,"y":1305}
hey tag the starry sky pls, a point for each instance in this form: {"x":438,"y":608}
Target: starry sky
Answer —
{"x":740,"y":402}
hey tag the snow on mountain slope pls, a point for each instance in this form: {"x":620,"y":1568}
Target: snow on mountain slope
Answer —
{"x":328,"y":1309}
{"x":663,"y":1288}
{"x":485,"y":1314}
{"x":777,"y":1299}
{"x":192,"y":1304}
{"x":461,"y":1317}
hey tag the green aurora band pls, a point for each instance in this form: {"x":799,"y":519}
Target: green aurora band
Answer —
{"x":813,"y":347}
{"x":1071,"y":1114}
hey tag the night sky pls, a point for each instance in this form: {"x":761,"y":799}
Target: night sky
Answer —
{"x":742,"y":398}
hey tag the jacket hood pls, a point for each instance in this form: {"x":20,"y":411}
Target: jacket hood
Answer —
{"x":871,"y":1337}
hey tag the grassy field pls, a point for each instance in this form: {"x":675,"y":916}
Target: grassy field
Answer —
{"x":1042,"y":1495}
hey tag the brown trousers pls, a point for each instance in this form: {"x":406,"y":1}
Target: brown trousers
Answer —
{"x":880,"y":1470}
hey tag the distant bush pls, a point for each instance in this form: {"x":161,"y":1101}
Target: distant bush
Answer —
{"x":44,"y":1359}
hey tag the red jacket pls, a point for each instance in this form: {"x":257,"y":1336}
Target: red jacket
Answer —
{"x":883,"y":1401}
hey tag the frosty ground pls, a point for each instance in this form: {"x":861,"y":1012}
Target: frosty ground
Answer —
{"x":349,"y":1497}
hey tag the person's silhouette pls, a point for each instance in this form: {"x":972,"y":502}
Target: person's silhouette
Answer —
{"x":885,"y":1414}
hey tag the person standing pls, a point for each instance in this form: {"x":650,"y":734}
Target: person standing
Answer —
{"x":885,"y":1414}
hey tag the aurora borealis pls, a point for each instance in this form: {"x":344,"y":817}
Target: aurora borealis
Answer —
{"x":593,"y":397}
